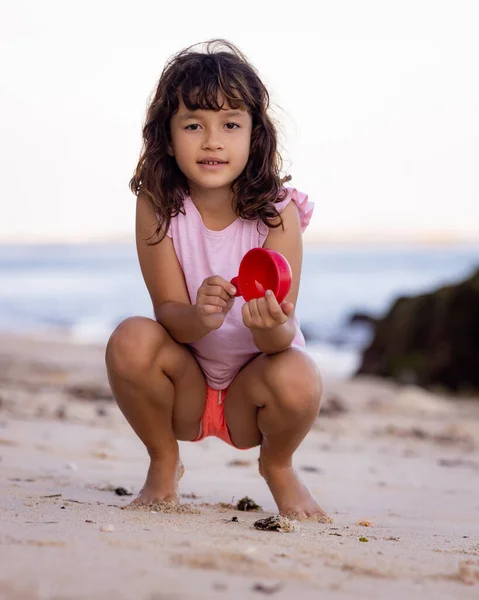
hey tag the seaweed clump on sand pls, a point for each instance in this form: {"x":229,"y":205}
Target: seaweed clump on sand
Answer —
{"x":276,"y":523}
{"x":247,"y":504}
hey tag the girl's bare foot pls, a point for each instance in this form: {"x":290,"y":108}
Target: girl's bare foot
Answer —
{"x":161,"y":483}
{"x":292,"y":497}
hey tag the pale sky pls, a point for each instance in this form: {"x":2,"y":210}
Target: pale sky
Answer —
{"x":379,"y":108}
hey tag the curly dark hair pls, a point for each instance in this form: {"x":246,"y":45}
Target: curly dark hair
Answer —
{"x":202,"y":79}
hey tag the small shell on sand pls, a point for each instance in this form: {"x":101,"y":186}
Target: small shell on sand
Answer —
{"x":107,"y":528}
{"x":164,"y":507}
{"x":276,"y":523}
{"x":365,"y":523}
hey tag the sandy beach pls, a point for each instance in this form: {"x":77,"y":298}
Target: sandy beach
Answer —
{"x":397,"y":469}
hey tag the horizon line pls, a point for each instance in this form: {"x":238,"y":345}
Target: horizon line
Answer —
{"x":310,"y":238}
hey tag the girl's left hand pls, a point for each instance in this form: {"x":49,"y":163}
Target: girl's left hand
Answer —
{"x":266,"y":313}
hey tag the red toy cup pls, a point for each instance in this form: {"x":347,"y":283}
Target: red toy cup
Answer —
{"x":262,"y":269}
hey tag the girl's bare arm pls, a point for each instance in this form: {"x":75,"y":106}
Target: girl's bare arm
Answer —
{"x":289,"y":242}
{"x":164,"y":279}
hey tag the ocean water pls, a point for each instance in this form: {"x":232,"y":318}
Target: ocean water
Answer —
{"x":84,"y":290}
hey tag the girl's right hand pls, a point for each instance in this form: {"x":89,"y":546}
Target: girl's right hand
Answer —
{"x":214,"y":300}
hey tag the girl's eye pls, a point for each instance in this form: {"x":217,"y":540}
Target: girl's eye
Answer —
{"x":196,"y":126}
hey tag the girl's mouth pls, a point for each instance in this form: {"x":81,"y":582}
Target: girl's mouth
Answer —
{"x":210,"y":164}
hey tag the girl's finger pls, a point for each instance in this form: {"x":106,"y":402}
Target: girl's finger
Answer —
{"x":264,"y":311}
{"x":217,"y":281}
{"x":275,"y":310}
{"x":247,"y":321}
{"x":215,"y":300}
{"x":215,"y":290}
{"x":288,"y":308}
{"x":254,"y":311}
{"x":209,"y":309}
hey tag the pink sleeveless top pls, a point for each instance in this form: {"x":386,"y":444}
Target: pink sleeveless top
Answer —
{"x":203,"y":253}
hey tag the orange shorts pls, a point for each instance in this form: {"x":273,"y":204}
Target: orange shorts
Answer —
{"x":213,"y":422}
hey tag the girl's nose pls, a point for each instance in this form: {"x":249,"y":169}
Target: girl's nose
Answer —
{"x":212,"y":141}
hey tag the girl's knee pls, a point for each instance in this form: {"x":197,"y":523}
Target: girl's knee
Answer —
{"x":296,"y":384}
{"x":134,"y":345}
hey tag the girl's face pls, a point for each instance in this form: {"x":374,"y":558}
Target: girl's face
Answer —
{"x":210,"y":147}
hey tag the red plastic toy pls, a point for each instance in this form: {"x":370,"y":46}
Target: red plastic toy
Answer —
{"x":262,"y":269}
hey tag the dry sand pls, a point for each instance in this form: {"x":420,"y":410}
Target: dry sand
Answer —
{"x":402,"y":459}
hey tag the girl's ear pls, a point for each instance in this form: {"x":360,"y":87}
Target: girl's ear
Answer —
{"x":170,"y":150}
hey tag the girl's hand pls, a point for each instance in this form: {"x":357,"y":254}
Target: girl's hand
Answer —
{"x":266,"y":313}
{"x":214,"y":300}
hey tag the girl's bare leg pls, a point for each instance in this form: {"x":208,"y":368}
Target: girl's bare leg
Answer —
{"x":161,"y":390}
{"x":273,"y":401}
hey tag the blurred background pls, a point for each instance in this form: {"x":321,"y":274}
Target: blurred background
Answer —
{"x":378,"y":108}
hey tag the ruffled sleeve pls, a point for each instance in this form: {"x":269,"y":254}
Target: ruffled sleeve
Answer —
{"x":305,"y":207}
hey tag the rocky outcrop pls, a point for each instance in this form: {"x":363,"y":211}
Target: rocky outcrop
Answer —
{"x":430,"y":340}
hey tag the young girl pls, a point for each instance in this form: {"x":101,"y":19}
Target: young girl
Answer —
{"x":209,"y":189}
